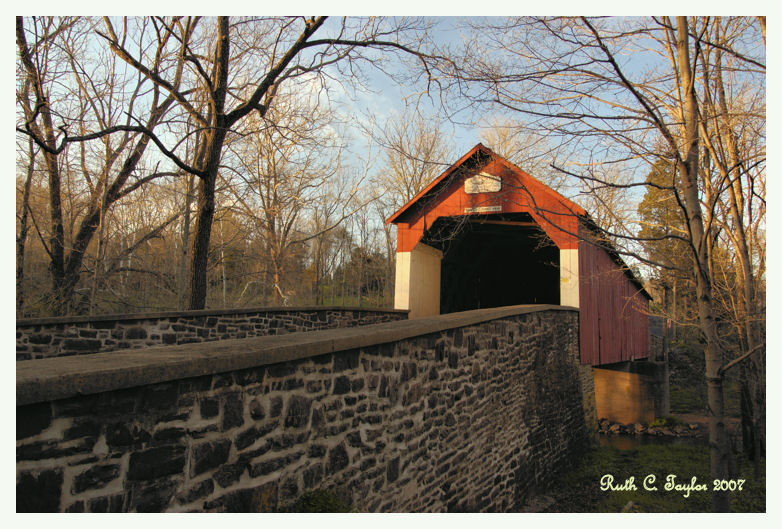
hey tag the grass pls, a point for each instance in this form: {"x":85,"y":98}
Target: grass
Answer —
{"x":579,"y":490}
{"x":665,"y":422}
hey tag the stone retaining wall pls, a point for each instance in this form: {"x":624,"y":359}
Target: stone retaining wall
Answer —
{"x":587,"y":380}
{"x":49,"y":337}
{"x":460,"y":412}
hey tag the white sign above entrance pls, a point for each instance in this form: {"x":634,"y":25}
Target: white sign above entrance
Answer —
{"x":484,"y":209}
{"x":482,"y":183}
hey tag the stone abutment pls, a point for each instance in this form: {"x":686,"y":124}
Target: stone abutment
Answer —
{"x":75,"y":335}
{"x":461,"y":412}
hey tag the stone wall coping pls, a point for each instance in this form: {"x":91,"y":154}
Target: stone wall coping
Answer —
{"x":66,"y":376}
{"x":29,"y":322}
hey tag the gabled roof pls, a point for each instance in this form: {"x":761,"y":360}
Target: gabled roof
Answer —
{"x":572,"y":206}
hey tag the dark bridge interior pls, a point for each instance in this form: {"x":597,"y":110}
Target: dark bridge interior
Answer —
{"x":494,"y":261}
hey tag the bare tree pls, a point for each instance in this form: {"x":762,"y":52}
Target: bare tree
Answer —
{"x":415,"y":149}
{"x":280,"y":167}
{"x":55,"y":70}
{"x":730,"y":130}
{"x":532,"y":153}
{"x":236,"y":68}
{"x":21,"y":236}
{"x":335,"y":203}
{"x":572,"y":78}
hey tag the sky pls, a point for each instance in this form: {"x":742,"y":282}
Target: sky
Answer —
{"x":383,"y":97}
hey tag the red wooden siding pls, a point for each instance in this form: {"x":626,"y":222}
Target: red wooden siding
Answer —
{"x":520,"y":193}
{"x":614,"y":317}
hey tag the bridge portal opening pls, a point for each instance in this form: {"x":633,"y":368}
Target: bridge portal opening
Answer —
{"x":494,"y":261}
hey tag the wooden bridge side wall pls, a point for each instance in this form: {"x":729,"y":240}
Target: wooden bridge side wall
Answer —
{"x":614,"y":316}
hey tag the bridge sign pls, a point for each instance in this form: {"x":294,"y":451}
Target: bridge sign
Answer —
{"x":482,"y":183}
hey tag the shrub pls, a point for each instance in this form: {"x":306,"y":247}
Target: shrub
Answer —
{"x":318,"y":501}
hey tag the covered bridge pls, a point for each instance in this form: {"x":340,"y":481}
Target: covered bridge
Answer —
{"x":487,"y":234}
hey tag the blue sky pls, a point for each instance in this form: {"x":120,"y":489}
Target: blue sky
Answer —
{"x":384,"y":97}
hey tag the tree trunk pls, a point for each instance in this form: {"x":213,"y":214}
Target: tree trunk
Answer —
{"x":212,"y":146}
{"x":318,"y":258}
{"x":718,"y":440}
{"x":344,"y":267}
{"x":333,"y":285}
{"x":222,"y":257}
{"x":200,"y":249}
{"x":745,"y":402}
{"x":21,"y":238}
{"x":758,"y":390}
{"x":185,"y":245}
{"x":278,"y":299}
{"x":99,"y":250}
{"x":749,"y":374}
{"x":663,"y":357}
{"x":674,"y":325}
{"x":59,"y":298}
{"x":275,"y":257}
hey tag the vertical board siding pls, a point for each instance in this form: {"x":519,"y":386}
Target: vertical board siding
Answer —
{"x":614,"y":316}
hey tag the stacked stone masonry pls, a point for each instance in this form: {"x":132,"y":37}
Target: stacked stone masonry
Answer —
{"x":50,"y":337}
{"x":587,"y":379}
{"x":465,"y":419}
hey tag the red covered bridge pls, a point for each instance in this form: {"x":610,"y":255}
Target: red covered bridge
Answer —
{"x":486,"y":234}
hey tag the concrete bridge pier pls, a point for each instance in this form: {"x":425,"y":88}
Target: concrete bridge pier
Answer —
{"x":631,"y":392}
{"x":417,"y":286}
